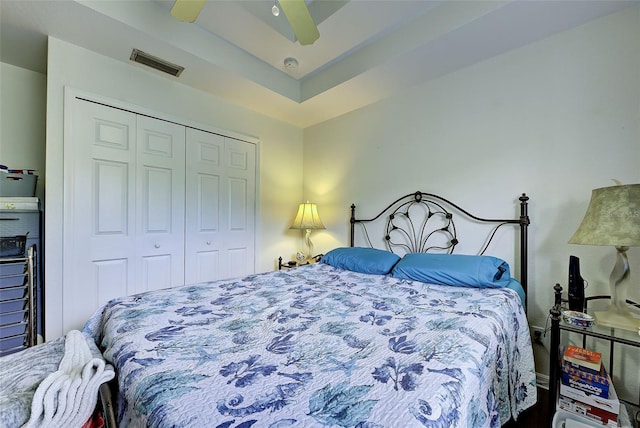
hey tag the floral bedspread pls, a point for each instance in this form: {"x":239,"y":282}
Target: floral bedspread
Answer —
{"x":318,"y":346}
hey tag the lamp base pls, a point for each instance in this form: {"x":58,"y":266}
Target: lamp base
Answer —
{"x":611,"y":318}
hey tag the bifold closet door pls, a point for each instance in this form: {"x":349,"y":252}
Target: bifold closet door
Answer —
{"x":124,"y":208}
{"x":160,"y":203}
{"x":220,"y":213}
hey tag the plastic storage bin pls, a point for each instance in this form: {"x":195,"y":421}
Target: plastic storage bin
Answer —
{"x":11,"y":344}
{"x":17,"y":300}
{"x":12,"y":293}
{"x":13,"y":317}
{"x":17,"y":184}
{"x":12,"y":305}
{"x":564,"y":419}
{"x":12,"y":275}
{"x":13,"y":246}
{"x":13,"y":329}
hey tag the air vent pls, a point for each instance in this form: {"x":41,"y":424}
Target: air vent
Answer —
{"x":155,"y":62}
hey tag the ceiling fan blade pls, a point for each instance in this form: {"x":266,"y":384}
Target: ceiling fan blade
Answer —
{"x":187,"y":10}
{"x":300,"y":20}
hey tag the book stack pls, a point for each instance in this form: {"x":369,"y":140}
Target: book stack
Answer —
{"x":586,"y":388}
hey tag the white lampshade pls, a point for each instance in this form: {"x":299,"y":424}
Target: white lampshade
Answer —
{"x":307,"y":217}
{"x":612,"y":218}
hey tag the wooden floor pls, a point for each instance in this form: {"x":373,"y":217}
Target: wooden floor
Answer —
{"x":534,"y":417}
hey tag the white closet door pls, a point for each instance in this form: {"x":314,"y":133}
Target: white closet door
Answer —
{"x":220,"y":214}
{"x":100,"y":242}
{"x":124,"y":219}
{"x":160,"y":204}
{"x":240,"y":197}
{"x":129,"y":224}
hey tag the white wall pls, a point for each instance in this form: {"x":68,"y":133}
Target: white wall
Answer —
{"x":554,"y":119}
{"x":22,"y":120}
{"x":280,"y":150}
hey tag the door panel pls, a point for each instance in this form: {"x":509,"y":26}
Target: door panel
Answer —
{"x":237,"y":205}
{"x":208,"y":206}
{"x":238,"y":158}
{"x":207,"y":264}
{"x":156,"y":271}
{"x":205,"y":259}
{"x":157,"y":201}
{"x":240,"y":168}
{"x":111,"y":198}
{"x":208,"y":147}
{"x":99,"y":210}
{"x":112,"y":279}
{"x":220,"y":197}
{"x":160,"y":203}
{"x":238,"y":261}
{"x":114,"y":135}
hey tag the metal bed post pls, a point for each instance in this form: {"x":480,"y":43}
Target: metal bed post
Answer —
{"x":352,"y":220}
{"x":555,"y":346}
{"x":524,"y":244}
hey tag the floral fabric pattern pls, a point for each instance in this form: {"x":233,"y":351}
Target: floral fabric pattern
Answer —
{"x":318,"y":346}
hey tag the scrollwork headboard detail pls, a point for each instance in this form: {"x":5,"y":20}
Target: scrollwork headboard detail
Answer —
{"x":422,"y":222}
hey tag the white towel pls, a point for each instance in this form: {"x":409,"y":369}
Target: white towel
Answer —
{"x":68,"y":396}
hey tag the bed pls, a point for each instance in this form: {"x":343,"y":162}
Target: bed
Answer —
{"x":351,"y":341}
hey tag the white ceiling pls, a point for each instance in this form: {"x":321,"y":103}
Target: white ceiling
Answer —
{"x":367,"y":50}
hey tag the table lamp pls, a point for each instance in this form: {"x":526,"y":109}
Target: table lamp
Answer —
{"x":613,"y":218}
{"x":308,"y":219}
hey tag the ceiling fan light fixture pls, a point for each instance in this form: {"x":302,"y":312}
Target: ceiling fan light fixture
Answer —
{"x":275,"y":10}
{"x":187,"y":10}
{"x":300,"y":20}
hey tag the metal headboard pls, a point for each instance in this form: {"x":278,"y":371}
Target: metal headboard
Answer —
{"x":426,"y":232}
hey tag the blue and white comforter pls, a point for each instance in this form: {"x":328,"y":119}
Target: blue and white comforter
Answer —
{"x":318,"y":346}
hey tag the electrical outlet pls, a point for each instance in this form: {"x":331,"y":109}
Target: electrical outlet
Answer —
{"x":539,"y":337}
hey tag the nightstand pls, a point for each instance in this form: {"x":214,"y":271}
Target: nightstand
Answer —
{"x":608,"y":334}
{"x":286,"y":265}
{"x":294,"y":263}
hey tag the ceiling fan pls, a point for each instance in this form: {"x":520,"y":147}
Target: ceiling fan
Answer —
{"x":296,"y":12}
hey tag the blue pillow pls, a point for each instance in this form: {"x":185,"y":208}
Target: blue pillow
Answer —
{"x":359,"y":259}
{"x":454,"y":269}
{"x":515,"y":285}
